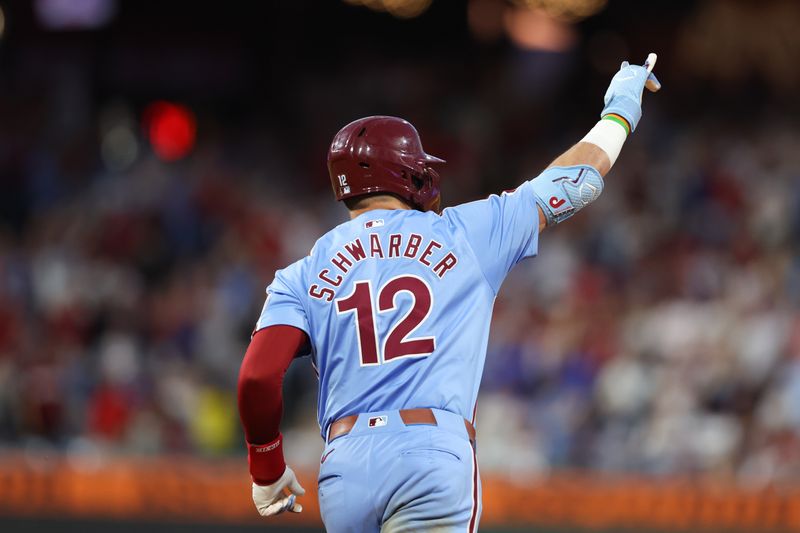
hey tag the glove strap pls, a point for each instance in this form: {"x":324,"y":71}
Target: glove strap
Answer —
{"x":628,"y":109}
{"x":619,"y":120}
{"x":266,"y":461}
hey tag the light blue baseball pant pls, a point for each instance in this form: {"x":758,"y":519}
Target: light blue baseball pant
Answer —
{"x":397,"y":478}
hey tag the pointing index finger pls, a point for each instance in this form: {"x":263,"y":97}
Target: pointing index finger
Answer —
{"x":650,"y":62}
{"x":652,"y":83}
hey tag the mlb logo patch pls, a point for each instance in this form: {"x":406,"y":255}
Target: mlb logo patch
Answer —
{"x":373,"y":223}
{"x":378,"y":421}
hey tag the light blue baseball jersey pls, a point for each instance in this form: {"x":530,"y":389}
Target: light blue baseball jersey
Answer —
{"x":397,"y":303}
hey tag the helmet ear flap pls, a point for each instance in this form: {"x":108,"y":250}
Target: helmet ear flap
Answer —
{"x":415,"y":181}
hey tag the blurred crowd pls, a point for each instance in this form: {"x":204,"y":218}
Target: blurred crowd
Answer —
{"x":661,"y":332}
{"x":657,"y":332}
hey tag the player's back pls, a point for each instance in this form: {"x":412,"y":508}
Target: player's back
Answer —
{"x":397,"y":303}
{"x":407,"y":324}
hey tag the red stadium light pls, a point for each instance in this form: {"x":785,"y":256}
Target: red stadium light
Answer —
{"x":171,"y":129}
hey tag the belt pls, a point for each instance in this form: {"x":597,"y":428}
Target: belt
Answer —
{"x":423,"y":416}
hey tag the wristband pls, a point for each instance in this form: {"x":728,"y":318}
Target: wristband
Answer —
{"x":619,"y":119}
{"x":266,"y":461}
{"x":609,"y":135}
{"x":629,"y":108}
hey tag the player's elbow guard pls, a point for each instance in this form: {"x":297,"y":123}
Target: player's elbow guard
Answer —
{"x":563,"y":191}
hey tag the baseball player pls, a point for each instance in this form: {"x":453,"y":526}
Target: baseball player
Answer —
{"x":394,"y":308}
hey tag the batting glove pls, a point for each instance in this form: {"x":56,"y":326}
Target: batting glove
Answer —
{"x":271,"y":499}
{"x":271,"y":477}
{"x":624,"y":94}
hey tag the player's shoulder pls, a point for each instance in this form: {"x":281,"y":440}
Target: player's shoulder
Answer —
{"x":293,"y":280}
{"x":293,"y":274}
{"x":493,"y":204}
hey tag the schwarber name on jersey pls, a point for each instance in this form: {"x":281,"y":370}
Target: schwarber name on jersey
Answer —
{"x":397,"y":303}
{"x":392,"y":246}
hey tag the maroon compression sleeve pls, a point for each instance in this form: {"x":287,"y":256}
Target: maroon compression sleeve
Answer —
{"x":261,"y":400}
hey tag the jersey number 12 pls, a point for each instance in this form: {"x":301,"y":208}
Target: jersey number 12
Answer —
{"x":396,"y":345}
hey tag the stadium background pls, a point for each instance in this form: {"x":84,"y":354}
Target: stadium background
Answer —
{"x":159,"y":160}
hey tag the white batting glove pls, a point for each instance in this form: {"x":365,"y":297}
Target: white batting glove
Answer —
{"x":271,"y":499}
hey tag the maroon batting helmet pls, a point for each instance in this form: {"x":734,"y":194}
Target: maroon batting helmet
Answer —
{"x":383,"y":154}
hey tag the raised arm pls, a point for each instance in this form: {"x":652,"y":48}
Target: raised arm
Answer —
{"x":574,"y":179}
